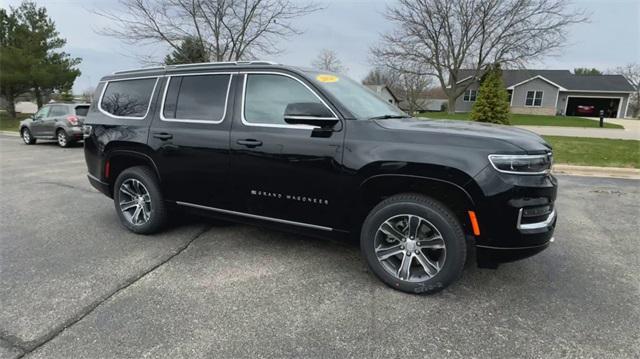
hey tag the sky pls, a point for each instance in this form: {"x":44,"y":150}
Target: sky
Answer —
{"x":349,"y":27}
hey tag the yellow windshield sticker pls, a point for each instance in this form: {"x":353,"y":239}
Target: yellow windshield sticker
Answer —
{"x":327,"y":78}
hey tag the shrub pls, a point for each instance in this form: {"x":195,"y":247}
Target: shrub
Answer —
{"x":492,"y":103}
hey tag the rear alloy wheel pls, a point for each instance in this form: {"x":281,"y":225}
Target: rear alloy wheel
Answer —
{"x":63,"y":139}
{"x":138,"y":200}
{"x":26,"y":136}
{"x":413,"y":243}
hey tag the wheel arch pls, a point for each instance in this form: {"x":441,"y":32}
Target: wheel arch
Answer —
{"x":119,"y":159}
{"x":375,"y":189}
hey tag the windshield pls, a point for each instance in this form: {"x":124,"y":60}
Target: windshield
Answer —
{"x":359,"y":100}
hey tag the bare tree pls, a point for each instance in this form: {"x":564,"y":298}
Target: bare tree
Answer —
{"x":383,"y":76}
{"x":228,"y":30}
{"x":87,"y":94}
{"x":632,"y":73}
{"x":440,"y":37}
{"x":328,"y":60}
{"x":414,"y":87}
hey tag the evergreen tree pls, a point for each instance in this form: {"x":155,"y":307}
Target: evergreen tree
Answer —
{"x":492,"y":102}
{"x":31,"y":59}
{"x":191,"y":51}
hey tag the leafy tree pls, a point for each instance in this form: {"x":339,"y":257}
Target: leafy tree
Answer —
{"x":14,"y":73}
{"x":582,"y":71}
{"x":191,"y":50}
{"x":32,"y":59}
{"x":66,"y":96}
{"x":492,"y":103}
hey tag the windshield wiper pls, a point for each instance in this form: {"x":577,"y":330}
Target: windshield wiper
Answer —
{"x":385,"y":117}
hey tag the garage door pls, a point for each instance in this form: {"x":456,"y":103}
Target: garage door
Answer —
{"x":591,"y":106}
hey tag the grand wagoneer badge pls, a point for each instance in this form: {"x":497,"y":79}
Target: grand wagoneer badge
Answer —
{"x":290,"y":197}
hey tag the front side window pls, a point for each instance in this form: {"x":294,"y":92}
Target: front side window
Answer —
{"x":534,"y":98}
{"x":267,"y":97}
{"x":470,"y":95}
{"x":196,"y":98}
{"x":43,"y":112}
{"x":128,"y":98}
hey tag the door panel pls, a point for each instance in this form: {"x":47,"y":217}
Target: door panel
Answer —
{"x":284,"y":171}
{"x":37,"y":126}
{"x":191,"y":142}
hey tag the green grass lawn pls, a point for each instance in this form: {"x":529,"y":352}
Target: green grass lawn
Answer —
{"x":600,"y":152}
{"x":9,"y":124}
{"x":528,"y":120}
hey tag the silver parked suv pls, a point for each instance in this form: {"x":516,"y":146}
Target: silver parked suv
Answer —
{"x":56,"y":121}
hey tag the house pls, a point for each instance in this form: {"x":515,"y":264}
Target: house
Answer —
{"x":556,"y":92}
{"x":385,"y":93}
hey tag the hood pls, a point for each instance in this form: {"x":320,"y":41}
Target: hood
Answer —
{"x":526,"y":140}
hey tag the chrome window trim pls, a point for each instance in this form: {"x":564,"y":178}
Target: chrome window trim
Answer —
{"x":106,"y":85}
{"x":520,"y":156}
{"x":537,"y":225}
{"x":226,"y":100}
{"x":254,"y":216}
{"x":274,"y":125}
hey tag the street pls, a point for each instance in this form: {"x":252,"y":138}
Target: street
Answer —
{"x":74,"y":283}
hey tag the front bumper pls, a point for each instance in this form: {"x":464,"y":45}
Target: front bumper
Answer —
{"x":517,"y":215}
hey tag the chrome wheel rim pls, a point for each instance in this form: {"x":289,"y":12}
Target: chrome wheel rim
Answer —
{"x":25,"y":136}
{"x":135,"y":202}
{"x":62,"y":139}
{"x":410,"y":248}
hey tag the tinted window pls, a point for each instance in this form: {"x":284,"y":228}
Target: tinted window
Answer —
{"x":267,"y":96}
{"x":82,"y":110}
{"x":128,"y":98}
{"x":200,"y":97}
{"x":57,"y":111}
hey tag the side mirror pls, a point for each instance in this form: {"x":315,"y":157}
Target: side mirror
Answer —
{"x":309,"y":113}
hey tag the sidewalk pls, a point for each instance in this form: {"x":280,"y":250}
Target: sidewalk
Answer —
{"x":631,"y":130}
{"x":591,"y":171}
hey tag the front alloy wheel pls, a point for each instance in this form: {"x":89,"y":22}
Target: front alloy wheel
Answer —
{"x":410,"y":248}
{"x":26,"y":137}
{"x":413,"y":243}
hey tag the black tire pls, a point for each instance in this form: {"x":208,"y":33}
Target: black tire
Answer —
{"x":157,"y":213}
{"x":436,"y":215}
{"x":27,"y":137}
{"x":62,"y":138}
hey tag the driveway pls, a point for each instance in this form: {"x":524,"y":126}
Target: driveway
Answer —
{"x":75,"y":284}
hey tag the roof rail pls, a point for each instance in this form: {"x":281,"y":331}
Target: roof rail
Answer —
{"x":197,"y":64}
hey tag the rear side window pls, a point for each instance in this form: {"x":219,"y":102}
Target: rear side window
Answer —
{"x":57,"y":111}
{"x":82,"y":110}
{"x":128,"y":98}
{"x":200,"y":98}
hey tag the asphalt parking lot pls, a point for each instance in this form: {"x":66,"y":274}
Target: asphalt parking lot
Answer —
{"x":75,"y":284}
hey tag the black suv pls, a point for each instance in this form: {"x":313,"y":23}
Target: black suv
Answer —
{"x":319,"y":154}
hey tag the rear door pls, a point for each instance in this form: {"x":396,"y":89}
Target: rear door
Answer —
{"x":57,"y":113}
{"x":190,"y":138}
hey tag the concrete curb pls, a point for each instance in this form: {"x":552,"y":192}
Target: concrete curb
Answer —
{"x":10,"y":133}
{"x":591,"y":171}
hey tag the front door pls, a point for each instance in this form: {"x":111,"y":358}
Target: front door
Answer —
{"x":283,"y":171}
{"x":190,"y":138}
{"x":37,"y":126}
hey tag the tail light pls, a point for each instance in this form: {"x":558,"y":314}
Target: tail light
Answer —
{"x":73,"y":120}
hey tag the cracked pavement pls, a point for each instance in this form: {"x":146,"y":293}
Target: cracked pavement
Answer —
{"x":75,"y":284}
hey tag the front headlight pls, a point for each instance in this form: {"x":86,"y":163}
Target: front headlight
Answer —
{"x":522,"y":164}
